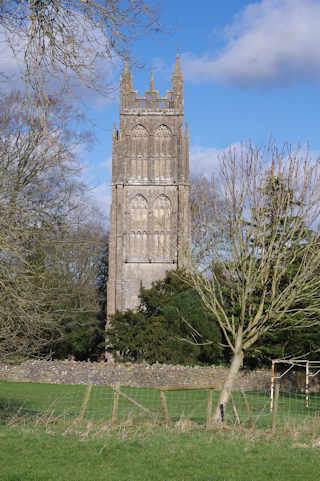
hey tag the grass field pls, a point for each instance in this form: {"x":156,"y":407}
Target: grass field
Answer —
{"x":40,"y":441}
{"x":65,"y":401}
{"x":29,"y":455}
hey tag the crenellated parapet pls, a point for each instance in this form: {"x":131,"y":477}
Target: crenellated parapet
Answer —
{"x":172,"y":102}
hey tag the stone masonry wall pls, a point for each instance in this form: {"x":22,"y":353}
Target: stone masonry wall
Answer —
{"x":72,"y":372}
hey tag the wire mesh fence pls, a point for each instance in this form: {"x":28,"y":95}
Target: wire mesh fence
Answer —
{"x":115,"y":405}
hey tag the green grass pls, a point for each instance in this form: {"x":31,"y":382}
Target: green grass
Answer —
{"x":35,"y":399}
{"x":29,"y":455}
{"x":39,"y":440}
{"x":64,"y":401}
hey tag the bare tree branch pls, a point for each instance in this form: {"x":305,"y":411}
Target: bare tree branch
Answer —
{"x":256,"y":218}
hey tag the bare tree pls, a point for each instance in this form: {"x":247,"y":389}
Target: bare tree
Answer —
{"x":49,"y":238}
{"x":66,"y":43}
{"x":251,"y":222}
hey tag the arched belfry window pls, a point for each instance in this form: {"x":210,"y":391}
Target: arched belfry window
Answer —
{"x":139,"y":152}
{"x":139,"y":202}
{"x":162,"y":151}
{"x":162,"y":227}
{"x":137,"y":238}
{"x":162,"y":141}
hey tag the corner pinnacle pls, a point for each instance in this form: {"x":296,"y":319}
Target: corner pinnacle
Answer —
{"x":126,"y":69}
{"x":177,"y":70}
{"x":151,"y":82}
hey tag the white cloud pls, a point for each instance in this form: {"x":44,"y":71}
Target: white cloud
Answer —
{"x":272,"y":42}
{"x":206,"y":161}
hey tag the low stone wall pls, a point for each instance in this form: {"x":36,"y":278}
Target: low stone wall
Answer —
{"x":72,"y":372}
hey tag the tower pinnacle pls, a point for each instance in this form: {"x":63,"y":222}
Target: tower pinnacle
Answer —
{"x":177,"y":71}
{"x":126,"y":84}
{"x":177,"y":85}
{"x":126,"y":69}
{"x":151,"y":82}
{"x":126,"y":78}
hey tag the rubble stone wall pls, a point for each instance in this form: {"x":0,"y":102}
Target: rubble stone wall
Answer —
{"x":72,"y":372}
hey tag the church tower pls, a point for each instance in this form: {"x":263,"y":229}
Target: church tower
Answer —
{"x":150,"y":212}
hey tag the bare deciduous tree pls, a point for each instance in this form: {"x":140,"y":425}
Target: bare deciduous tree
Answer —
{"x":49,"y":239}
{"x":251,"y":222}
{"x":66,"y":43}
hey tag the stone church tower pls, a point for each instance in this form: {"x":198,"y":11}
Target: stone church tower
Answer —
{"x":150,"y":212}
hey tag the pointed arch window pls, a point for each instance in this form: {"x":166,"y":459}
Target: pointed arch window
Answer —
{"x":139,"y":152}
{"x":162,"y":141}
{"x":162,"y":150}
{"x":162,"y":213}
{"x":137,"y":237}
{"x":139,"y":140}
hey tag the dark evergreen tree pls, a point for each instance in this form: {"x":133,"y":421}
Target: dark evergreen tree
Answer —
{"x":82,"y":334}
{"x":287,"y":342}
{"x":170,"y":326}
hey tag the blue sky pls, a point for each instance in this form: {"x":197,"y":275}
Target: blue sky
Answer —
{"x":252,"y":70}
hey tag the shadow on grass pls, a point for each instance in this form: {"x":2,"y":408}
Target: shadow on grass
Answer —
{"x":11,"y":408}
{"x":23,"y":477}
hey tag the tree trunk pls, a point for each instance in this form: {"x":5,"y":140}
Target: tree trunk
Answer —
{"x":236,"y":364}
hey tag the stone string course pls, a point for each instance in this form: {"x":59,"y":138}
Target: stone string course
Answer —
{"x":72,"y":372}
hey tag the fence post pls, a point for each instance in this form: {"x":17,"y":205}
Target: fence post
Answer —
{"x":209,"y":408}
{"x":275,"y":409}
{"x":272,"y":386}
{"x":234,"y":410}
{"x":307,"y":384}
{"x":114,"y":418}
{"x":245,"y":400}
{"x":164,"y":406}
{"x":85,"y":403}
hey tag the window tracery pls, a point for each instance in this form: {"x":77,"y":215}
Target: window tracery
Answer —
{"x":139,"y":151}
{"x":162,"y":150}
{"x":162,"y":227}
{"x":137,"y":238}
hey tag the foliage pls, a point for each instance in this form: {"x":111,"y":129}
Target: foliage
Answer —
{"x":286,"y":343}
{"x":169,"y":326}
{"x":82,"y":332}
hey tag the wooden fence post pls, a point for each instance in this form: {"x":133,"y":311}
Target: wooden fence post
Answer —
{"x":209,"y":408}
{"x":275,"y":409}
{"x":114,"y":418}
{"x":164,"y":406}
{"x":307,"y":384}
{"x":245,"y":400}
{"x":85,"y":403}
{"x":234,"y":410}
